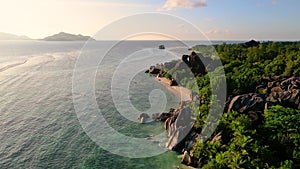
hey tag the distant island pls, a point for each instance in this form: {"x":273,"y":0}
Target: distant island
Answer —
{"x":8,"y":36}
{"x":161,"y":47}
{"x":62,"y":36}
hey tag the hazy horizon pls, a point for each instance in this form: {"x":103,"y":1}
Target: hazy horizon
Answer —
{"x":215,"y":40}
{"x":230,"y":20}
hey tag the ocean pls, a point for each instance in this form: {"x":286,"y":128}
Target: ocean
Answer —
{"x":39,"y":127}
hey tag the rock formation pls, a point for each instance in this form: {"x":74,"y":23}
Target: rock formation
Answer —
{"x":173,"y":82}
{"x":284,"y":91}
{"x":178,"y":124}
{"x":186,"y":158}
{"x":154,"y":70}
{"x":251,"y":43}
{"x":165,"y":116}
{"x":143,"y":117}
{"x":194,"y":62}
{"x":161,"y":47}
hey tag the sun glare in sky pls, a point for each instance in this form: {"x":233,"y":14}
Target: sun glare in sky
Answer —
{"x":228,"y":20}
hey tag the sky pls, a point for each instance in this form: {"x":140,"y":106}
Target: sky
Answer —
{"x":216,"y":19}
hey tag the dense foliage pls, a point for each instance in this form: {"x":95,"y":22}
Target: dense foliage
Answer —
{"x":244,"y":143}
{"x":245,"y":66}
{"x":274,"y":144}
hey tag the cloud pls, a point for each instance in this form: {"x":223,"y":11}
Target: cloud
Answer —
{"x":172,"y":4}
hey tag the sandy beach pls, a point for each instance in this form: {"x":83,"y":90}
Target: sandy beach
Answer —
{"x":182,"y":92}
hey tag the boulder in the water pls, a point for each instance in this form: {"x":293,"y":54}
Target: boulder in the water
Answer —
{"x":161,"y":47}
{"x":179,"y":129}
{"x":165,"y":116}
{"x":153,"y":70}
{"x":143,"y":117}
{"x":186,"y":158}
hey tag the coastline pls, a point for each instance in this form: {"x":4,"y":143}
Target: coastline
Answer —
{"x":183,"y":93}
{"x":185,"y":96}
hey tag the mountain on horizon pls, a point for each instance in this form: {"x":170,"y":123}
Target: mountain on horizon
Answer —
{"x":62,"y":36}
{"x":9,"y":36}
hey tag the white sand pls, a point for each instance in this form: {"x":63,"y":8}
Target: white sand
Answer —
{"x":182,"y":92}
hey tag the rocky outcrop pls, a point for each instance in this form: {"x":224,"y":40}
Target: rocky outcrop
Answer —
{"x":290,"y":98}
{"x":173,"y":82}
{"x":186,"y":158}
{"x":178,"y":128}
{"x":161,"y":47}
{"x":154,"y":70}
{"x":194,"y":62}
{"x":284,"y":91}
{"x":164,"y":116}
{"x":190,"y":63}
{"x":248,"y":103}
{"x":143,"y":117}
{"x":251,"y":43}
{"x":178,"y":124}
{"x":160,"y":73}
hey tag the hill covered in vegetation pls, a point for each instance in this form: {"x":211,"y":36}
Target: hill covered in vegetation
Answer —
{"x":62,"y":36}
{"x":259,"y":127}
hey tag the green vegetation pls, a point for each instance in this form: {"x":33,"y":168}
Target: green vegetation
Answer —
{"x":245,"y":144}
{"x":245,"y":66}
{"x":168,"y":76}
{"x":274,"y":144}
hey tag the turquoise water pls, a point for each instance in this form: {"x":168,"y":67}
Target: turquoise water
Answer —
{"x":38,"y":124}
